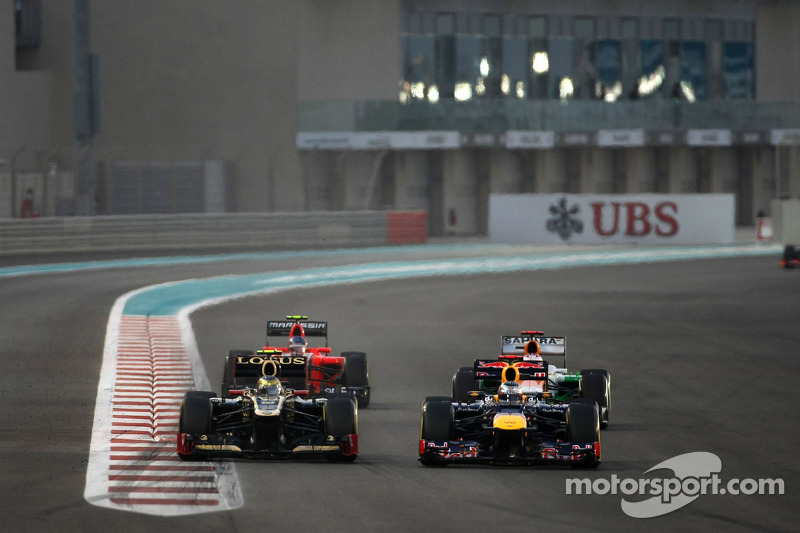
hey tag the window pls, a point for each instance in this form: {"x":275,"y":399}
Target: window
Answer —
{"x":491,"y":66}
{"x":672,"y":57}
{"x":473,"y":55}
{"x":561,"y":74}
{"x":585,"y":73}
{"x":608,"y":59}
{"x":514,"y":83}
{"x":445,"y":55}
{"x":419,"y":68}
{"x":538,"y":64}
{"x":469,"y":68}
{"x":631,"y":68}
{"x":713,"y":36}
{"x":693,"y":81}
{"x":738,"y":76}
{"x":651,"y":79}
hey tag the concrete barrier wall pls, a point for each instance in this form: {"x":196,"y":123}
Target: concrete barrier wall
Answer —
{"x":267,"y":231}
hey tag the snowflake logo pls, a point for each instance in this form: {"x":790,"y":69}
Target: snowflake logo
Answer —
{"x":564,"y":223}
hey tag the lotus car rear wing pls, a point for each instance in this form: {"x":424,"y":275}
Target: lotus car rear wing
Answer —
{"x":248,"y":368}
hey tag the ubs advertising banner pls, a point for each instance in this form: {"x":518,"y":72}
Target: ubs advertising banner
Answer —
{"x":612,"y":218}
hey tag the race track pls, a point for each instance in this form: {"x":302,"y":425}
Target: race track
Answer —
{"x":703,"y":355}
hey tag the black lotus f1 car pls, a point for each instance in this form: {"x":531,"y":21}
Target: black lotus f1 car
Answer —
{"x":510,"y":429}
{"x":267,"y":422}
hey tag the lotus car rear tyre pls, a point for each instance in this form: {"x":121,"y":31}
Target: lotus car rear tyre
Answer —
{"x":195,"y":415}
{"x":357,"y":375}
{"x":228,"y":370}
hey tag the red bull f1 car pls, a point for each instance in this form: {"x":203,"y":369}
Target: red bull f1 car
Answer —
{"x":509,"y":428}
{"x":526,"y":352}
{"x":791,"y":257}
{"x":267,"y":421}
{"x":301,"y":367}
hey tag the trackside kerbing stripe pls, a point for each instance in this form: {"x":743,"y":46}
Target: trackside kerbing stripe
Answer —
{"x":133,"y":461}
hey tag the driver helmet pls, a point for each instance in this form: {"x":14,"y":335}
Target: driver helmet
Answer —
{"x":297,"y":345}
{"x":509,"y":391}
{"x":269,"y":386}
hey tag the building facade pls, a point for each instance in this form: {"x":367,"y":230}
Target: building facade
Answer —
{"x":264,"y":105}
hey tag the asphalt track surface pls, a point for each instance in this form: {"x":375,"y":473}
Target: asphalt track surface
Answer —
{"x":704,"y":357}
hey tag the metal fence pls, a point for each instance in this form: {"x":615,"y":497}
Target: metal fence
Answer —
{"x":168,"y":187}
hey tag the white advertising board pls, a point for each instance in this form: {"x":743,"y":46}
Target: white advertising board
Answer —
{"x":612,"y":218}
{"x":378,"y":140}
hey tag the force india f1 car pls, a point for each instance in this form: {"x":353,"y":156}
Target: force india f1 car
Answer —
{"x":509,"y":428}
{"x":525,"y":353}
{"x":302,"y":367}
{"x":267,"y":421}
